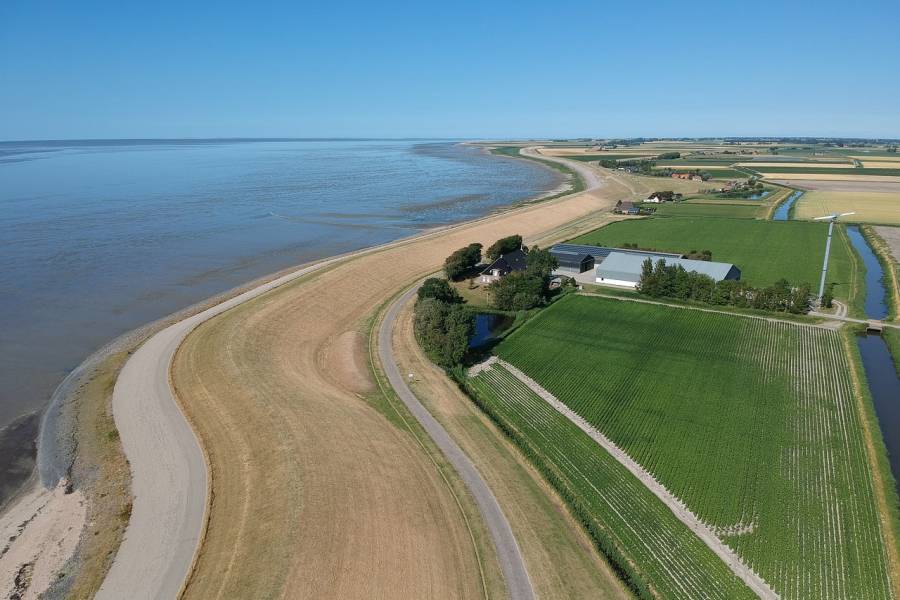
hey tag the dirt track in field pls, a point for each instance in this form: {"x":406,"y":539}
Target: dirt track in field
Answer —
{"x":314,"y":491}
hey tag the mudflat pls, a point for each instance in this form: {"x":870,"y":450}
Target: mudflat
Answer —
{"x":316,"y":489}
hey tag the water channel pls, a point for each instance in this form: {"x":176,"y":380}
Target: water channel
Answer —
{"x":884,"y":382}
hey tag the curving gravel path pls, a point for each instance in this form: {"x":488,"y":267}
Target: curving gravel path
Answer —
{"x":509,"y":556}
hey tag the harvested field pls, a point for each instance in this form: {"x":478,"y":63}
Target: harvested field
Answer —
{"x":842,"y":186}
{"x":887,"y":157}
{"x":891,"y":236}
{"x":309,"y":471}
{"x":800,"y":165}
{"x":824,"y":176}
{"x":753,"y":423}
{"x":881,"y":164}
{"x":870,"y":207}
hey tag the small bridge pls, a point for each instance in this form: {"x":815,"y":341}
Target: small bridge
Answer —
{"x":874,"y":325}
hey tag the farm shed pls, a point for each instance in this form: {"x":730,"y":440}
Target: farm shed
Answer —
{"x":624,"y":269}
{"x":504,"y":265}
{"x":578,"y":258}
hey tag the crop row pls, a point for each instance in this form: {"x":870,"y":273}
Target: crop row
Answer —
{"x":654,"y":551}
{"x":751,"y":423}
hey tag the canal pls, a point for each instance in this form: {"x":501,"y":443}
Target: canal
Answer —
{"x":884,"y":382}
{"x":783,"y":212}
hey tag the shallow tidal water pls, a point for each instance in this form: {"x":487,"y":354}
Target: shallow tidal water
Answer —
{"x":100,"y":237}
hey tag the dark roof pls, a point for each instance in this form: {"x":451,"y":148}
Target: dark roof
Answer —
{"x":511,"y":261}
{"x":600,"y":252}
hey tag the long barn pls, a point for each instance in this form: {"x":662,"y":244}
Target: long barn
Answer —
{"x":578,"y":258}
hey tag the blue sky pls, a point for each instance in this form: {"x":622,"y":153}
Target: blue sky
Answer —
{"x":448,"y":69}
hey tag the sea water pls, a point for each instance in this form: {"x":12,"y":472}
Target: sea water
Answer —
{"x":99,"y":237}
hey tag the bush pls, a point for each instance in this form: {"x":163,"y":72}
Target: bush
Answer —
{"x":461,"y":261}
{"x":517,"y":291}
{"x":503,"y":246}
{"x":443,"y":330}
{"x":439,"y":289}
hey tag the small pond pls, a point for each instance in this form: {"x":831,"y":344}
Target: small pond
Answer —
{"x":487,"y":327}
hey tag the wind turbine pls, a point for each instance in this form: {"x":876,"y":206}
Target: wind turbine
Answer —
{"x":831,"y":219}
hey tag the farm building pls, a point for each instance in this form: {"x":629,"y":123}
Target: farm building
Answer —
{"x":627,"y":208}
{"x":624,"y":268}
{"x":578,"y":258}
{"x":504,"y":265}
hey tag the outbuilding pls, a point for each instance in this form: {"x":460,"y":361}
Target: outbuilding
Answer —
{"x":624,"y":268}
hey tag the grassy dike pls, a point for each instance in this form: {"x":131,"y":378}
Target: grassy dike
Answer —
{"x":576,"y":180}
{"x":884,"y":484}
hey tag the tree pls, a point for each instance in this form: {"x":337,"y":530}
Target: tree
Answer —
{"x":540,"y":263}
{"x":439,"y":289}
{"x":503,"y":246}
{"x":461,"y":261}
{"x":443,"y":330}
{"x":517,"y":291}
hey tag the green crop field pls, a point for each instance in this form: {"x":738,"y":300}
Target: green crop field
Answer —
{"x":712,"y":209}
{"x":765,"y":251}
{"x":752,"y":423}
{"x":629,"y":523}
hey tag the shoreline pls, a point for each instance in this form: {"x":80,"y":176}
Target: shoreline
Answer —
{"x":56,"y":442}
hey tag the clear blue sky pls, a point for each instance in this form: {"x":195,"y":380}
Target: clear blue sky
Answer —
{"x":450,"y":69}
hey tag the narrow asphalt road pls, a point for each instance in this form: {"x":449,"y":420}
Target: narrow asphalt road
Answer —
{"x":512,"y":564}
{"x":168,"y":468}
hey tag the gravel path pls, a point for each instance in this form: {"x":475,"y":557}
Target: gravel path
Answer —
{"x":678,"y":508}
{"x":509,"y":556}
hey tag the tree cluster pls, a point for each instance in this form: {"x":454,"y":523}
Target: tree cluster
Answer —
{"x":669,"y":156}
{"x":442,"y":324}
{"x":503,"y":246}
{"x":522,"y":290}
{"x":673,"y":281}
{"x":462,"y":261}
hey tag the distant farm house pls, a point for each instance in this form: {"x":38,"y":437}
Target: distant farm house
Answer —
{"x":627,"y":208}
{"x":504,"y":265}
{"x":688,"y":176}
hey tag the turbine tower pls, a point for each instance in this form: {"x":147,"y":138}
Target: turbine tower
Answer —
{"x":831,"y":219}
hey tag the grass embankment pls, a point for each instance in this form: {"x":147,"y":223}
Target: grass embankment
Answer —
{"x":752,"y":423}
{"x":557,"y":552}
{"x":576,"y":182}
{"x":102,"y":473}
{"x":765,"y":251}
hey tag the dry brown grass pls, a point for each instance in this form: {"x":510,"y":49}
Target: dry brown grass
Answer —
{"x":104,"y":477}
{"x":315,"y":492}
{"x":870,"y":207}
{"x":560,"y":559}
{"x":800,"y":165}
{"x":832,"y":177}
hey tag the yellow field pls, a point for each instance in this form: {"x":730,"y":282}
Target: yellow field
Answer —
{"x":832,"y":177}
{"x":704,"y":167}
{"x":891,"y":159}
{"x":800,"y":165}
{"x":870,"y":207}
{"x":881,"y":164}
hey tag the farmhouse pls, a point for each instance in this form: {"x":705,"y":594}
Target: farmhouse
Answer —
{"x":578,"y":258}
{"x":624,"y":268}
{"x":504,"y":265}
{"x":627,"y":208}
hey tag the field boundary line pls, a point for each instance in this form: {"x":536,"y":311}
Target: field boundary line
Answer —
{"x":724,"y":312}
{"x":756,"y":583}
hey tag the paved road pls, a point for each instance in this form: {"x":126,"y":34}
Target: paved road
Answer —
{"x":678,"y":508}
{"x":511,"y":562}
{"x":169,"y":474}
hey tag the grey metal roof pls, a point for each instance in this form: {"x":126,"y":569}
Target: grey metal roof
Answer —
{"x":601,"y":252}
{"x":627,"y":267}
